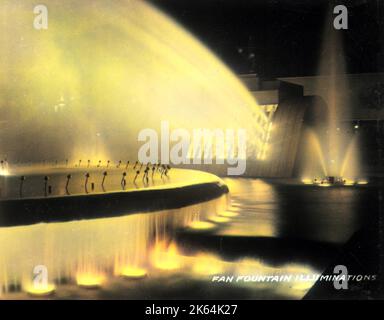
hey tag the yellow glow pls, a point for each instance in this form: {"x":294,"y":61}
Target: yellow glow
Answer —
{"x":324,"y":184}
{"x":4,"y":172}
{"x":90,"y":280}
{"x":362,"y":182}
{"x":69,"y":79}
{"x":133,"y":272}
{"x":228,"y":214}
{"x":206,"y":264}
{"x":80,"y":251}
{"x":349,"y":182}
{"x":307,"y":181}
{"x":42,"y":290}
{"x":218,"y":219}
{"x":201,"y":225}
{"x":166,"y":257}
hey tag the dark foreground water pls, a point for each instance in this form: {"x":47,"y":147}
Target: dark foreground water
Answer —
{"x":269,"y":241}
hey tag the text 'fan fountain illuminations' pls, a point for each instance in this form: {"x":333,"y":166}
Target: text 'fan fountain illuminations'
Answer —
{"x":101,"y":72}
{"x":332,"y":153}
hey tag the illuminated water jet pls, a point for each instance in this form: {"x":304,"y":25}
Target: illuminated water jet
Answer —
{"x":166,"y":256}
{"x":332,"y":152}
{"x":98,"y":63}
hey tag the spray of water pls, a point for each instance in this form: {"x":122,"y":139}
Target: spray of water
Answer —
{"x":335,"y":146}
{"x":101,"y":72}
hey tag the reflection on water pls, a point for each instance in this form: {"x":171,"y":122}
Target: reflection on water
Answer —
{"x":257,"y":200}
{"x":273,"y":209}
{"x":268,"y":231}
{"x":88,"y":251}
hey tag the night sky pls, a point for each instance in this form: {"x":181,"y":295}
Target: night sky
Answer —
{"x":276,"y":38}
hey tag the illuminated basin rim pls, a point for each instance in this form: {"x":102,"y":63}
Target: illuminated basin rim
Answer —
{"x":68,"y":208}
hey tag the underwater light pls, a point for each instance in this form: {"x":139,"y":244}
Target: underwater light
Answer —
{"x":42,"y":290}
{"x":218,"y":219}
{"x":228,"y":214}
{"x":166,"y":257}
{"x":89,"y":281}
{"x":4,"y":172}
{"x":133,"y":273}
{"x":201,"y":225}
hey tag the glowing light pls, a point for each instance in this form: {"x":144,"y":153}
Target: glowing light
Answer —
{"x":41,"y":290}
{"x":82,"y":251}
{"x":79,"y":78}
{"x":90,"y":280}
{"x":324,"y":184}
{"x":205,"y":264}
{"x":166,"y":257}
{"x":218,"y":219}
{"x":349,"y":182}
{"x":133,"y":272}
{"x":201,"y":225}
{"x":307,"y":181}
{"x":4,"y":172}
{"x":228,"y":214}
{"x":362,"y":182}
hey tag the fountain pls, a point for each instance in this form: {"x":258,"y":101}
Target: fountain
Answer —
{"x":332,"y":156}
{"x":114,"y":69}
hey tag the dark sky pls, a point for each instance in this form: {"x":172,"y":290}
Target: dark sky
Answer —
{"x":280,"y":37}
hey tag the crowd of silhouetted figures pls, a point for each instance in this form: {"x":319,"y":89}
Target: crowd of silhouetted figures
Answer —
{"x":145,"y":172}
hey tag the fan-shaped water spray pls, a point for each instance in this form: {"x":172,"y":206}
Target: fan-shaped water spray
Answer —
{"x":102,"y":71}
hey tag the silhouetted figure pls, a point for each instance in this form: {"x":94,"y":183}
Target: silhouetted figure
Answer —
{"x":118,"y":165}
{"x":89,"y":163}
{"x":145,"y":176}
{"x":79,"y":163}
{"x":22,"y":179}
{"x":2,"y":164}
{"x":49,"y":189}
{"x":66,"y":162}
{"x":167,"y":169}
{"x":99,"y":164}
{"x":92,"y":186}
{"x":67,"y":184}
{"x":86,"y":182}
{"x":145,"y":173}
{"x":153,"y":170}
{"x":126,"y":166}
{"x":105,"y":173}
{"x":108,"y":163}
{"x":137,"y":173}
{"x":162,"y":170}
{"x":46,"y":178}
{"x":141,"y":167}
{"x":134,"y":167}
{"x":123,"y":182}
